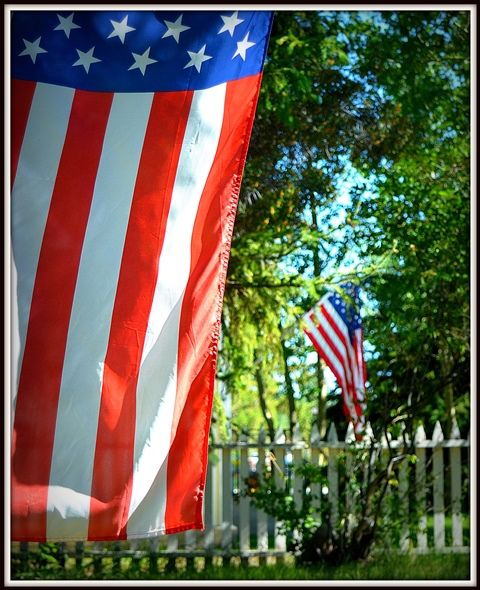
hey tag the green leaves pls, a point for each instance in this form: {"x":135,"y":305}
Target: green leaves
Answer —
{"x":358,"y":168}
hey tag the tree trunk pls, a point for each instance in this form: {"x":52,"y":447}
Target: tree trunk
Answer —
{"x":447,"y":369}
{"x":261,"y":397}
{"x":292,"y":416}
{"x":317,"y":270}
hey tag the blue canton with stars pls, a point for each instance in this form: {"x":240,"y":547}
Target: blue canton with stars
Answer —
{"x":138,"y":51}
{"x":349,"y":313}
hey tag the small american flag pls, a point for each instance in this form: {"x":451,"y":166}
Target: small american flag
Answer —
{"x":129,"y":133}
{"x":335,"y":328}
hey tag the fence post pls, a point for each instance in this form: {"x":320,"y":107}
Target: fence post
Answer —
{"x":316,"y":487}
{"x":421,"y":483}
{"x":153,"y":543}
{"x":456,"y":487}
{"x":79,"y":548}
{"x":438,"y":488}
{"x":332,"y":471}
{"x":24,"y":554}
{"x":190,"y":546}
{"x":262,"y":519}
{"x":279,"y":468}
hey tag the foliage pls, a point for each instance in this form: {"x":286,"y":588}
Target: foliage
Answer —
{"x":358,"y":167}
{"x":418,"y":203}
{"x":285,"y":243}
{"x":343,"y":528}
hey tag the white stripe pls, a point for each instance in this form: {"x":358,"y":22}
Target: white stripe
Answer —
{"x":36,"y":172}
{"x":157,"y":382}
{"x":89,"y":328}
{"x":334,"y":362}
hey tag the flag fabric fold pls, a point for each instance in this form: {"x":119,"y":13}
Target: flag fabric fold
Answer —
{"x":129,"y":136}
{"x":334,"y":327}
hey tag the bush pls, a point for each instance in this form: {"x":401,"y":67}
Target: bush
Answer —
{"x":342,"y":529}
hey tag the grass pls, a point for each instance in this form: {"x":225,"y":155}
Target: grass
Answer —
{"x":391,"y":566}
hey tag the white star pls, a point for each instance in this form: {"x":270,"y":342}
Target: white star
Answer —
{"x":86,"y":59}
{"x":32,"y":48}
{"x":229,"y":23}
{"x":196,"y":59}
{"x":242,"y":47}
{"x":120,"y":29}
{"x":66,"y":24}
{"x":142,"y":61}
{"x":174,"y":29}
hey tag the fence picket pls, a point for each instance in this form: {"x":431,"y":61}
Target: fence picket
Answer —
{"x":438,"y":489}
{"x":244,"y":512}
{"x":224,"y":474}
{"x":332,"y":474}
{"x":298,"y":480}
{"x":316,"y":487}
{"x":279,"y":468}
{"x":208,"y":535}
{"x":172,"y":543}
{"x":349,"y":439}
{"x":227,"y":498}
{"x":262,"y":519}
{"x":456,"y":488}
{"x":420,"y":488}
{"x":297,"y":454}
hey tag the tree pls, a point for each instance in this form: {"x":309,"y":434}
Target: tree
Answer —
{"x":385,"y":95}
{"x":418,"y":204}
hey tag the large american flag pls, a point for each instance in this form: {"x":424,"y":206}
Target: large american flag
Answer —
{"x":335,"y":328}
{"x":129,"y":133}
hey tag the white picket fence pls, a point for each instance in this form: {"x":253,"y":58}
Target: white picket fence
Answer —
{"x":437,"y":480}
{"x":233,"y":521}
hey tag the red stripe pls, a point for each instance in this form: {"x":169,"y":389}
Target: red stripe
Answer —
{"x":201,"y":310}
{"x":112,"y":472}
{"x":40,"y":377}
{"x":21,"y":101}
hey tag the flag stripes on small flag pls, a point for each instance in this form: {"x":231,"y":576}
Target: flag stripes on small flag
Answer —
{"x":129,"y":137}
{"x":335,"y":328}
